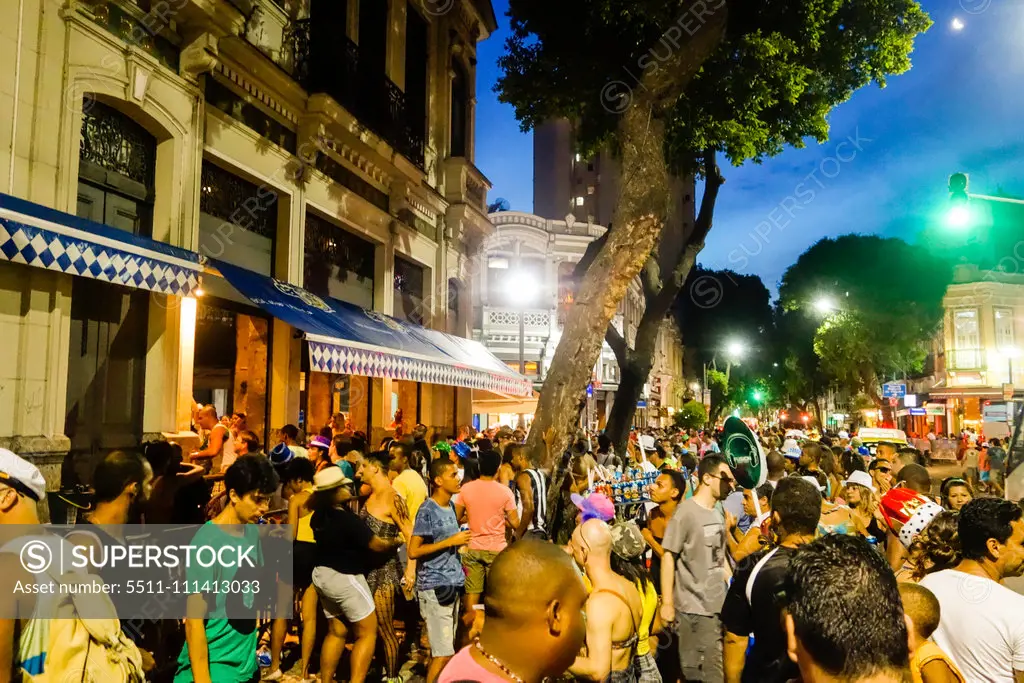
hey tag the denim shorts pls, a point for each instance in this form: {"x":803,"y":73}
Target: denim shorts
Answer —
{"x":441,"y":620}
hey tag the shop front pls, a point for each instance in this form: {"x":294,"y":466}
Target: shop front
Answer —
{"x":380,"y":371}
{"x":121,"y":296}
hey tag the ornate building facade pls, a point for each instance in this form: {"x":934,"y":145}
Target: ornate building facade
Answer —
{"x":523,"y":289}
{"x":264,"y":205}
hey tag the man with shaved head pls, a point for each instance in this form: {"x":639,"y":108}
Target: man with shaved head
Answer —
{"x":614,"y":609}
{"x":217,"y":440}
{"x":916,"y":477}
{"x":534,"y":624}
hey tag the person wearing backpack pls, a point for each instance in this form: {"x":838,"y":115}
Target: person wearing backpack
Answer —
{"x":751,"y":605}
{"x":43,"y":637}
{"x":219,"y":648}
{"x":24,"y":638}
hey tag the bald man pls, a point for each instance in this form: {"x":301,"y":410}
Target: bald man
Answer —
{"x":534,"y":622}
{"x":218,"y":438}
{"x":614,"y":609}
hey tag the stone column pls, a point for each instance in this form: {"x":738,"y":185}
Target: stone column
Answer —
{"x":35,"y":314}
{"x":164,"y":369}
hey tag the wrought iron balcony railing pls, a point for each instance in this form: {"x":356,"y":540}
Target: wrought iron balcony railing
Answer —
{"x":327,"y":61}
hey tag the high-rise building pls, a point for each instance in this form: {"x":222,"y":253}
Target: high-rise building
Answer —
{"x":566,"y":183}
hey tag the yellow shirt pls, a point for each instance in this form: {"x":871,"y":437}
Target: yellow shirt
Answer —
{"x":929,"y":652}
{"x":409,"y":485}
{"x":304,"y":533}
{"x":650,"y":602}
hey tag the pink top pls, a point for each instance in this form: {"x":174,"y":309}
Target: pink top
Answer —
{"x":486,"y":503}
{"x":462,"y":667}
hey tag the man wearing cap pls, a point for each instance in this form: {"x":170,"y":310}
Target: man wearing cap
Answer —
{"x":694,"y":581}
{"x":24,"y":616}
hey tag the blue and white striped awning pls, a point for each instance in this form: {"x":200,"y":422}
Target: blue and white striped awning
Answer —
{"x":45,"y":238}
{"x":347,"y":340}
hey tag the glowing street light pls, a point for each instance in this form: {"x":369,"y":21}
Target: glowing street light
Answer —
{"x":735,"y":349}
{"x":522,"y":287}
{"x":695,"y":387}
{"x":824,"y":305}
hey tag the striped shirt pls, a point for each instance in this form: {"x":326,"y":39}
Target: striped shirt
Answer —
{"x":540,"y":499}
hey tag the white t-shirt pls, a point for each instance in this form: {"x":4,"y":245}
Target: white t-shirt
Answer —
{"x":981,"y":626}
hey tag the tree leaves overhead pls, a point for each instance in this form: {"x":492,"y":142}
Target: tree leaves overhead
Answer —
{"x":784,"y":64}
{"x":888,"y":307}
{"x":692,"y":415}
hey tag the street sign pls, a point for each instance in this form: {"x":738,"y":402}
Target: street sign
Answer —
{"x":894,"y":390}
{"x":1007,"y":392}
{"x":934,"y":409}
{"x":910,"y":401}
{"x":641,"y":404}
{"x":894,"y":402}
{"x":918,"y":411}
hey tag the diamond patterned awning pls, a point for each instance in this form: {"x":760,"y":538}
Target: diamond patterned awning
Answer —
{"x":348,"y":340}
{"x":44,"y":238}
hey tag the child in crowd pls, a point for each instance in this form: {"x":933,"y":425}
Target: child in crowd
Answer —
{"x":928,"y":663}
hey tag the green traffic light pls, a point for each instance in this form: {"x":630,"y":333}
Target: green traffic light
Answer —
{"x":958,"y":216}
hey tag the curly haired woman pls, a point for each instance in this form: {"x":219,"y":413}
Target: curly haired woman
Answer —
{"x":934,"y":549}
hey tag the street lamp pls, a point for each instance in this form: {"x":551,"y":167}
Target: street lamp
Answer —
{"x":735,"y":349}
{"x":522,"y":288}
{"x":695,"y":387}
{"x":824,"y":305}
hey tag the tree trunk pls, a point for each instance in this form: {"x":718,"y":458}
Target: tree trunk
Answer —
{"x":632,"y":377}
{"x":635,"y":364}
{"x":644,"y":199}
{"x":637,"y":221}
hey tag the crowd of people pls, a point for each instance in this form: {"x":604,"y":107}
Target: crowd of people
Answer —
{"x":461,"y":559}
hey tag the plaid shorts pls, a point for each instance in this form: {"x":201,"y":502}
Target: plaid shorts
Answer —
{"x":646,"y":668}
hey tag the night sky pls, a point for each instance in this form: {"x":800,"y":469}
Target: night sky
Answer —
{"x":961,"y":107}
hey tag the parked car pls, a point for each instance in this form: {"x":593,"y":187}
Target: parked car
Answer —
{"x":872,"y":436}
